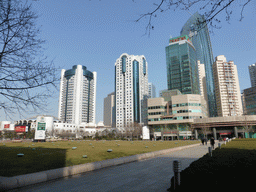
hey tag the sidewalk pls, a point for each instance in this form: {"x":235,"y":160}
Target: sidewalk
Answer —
{"x":144,"y":175}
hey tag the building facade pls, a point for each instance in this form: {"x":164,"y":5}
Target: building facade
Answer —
{"x":227,"y":89}
{"x":203,"y":87}
{"x":151,"y":90}
{"x":249,"y":97}
{"x":252,"y":71}
{"x":174,"y":113}
{"x":182,"y":69}
{"x":198,"y":32}
{"x":131,"y":90}
{"x":77,"y":100}
{"x":109,"y":110}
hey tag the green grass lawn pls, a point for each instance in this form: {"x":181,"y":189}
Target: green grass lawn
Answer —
{"x":51,"y":155}
{"x":231,"y":168}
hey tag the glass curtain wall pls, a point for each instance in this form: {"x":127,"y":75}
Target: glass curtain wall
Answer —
{"x":136,"y":91}
{"x":198,"y":32}
{"x":182,"y":71}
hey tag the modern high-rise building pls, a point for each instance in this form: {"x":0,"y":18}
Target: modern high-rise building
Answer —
{"x":151,"y":90}
{"x":227,"y":89}
{"x":77,"y":100}
{"x":252,"y":71}
{"x":249,"y":97}
{"x":131,"y":90}
{"x":202,"y":80}
{"x":182,"y":69}
{"x":198,"y":32}
{"x":109,"y":110}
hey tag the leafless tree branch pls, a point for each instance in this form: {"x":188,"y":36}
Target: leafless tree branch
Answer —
{"x":26,"y":77}
{"x":212,"y":8}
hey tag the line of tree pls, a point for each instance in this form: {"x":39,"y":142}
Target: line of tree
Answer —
{"x":13,"y":135}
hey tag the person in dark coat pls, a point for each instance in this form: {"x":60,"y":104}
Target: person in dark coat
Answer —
{"x":202,"y":141}
{"x":212,"y":142}
{"x":205,"y":140}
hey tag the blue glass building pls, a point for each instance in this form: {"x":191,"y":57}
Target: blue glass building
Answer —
{"x":182,"y":69}
{"x":199,"y":35}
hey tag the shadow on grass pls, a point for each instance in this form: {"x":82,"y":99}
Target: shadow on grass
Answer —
{"x":34,"y":160}
{"x":228,"y":169}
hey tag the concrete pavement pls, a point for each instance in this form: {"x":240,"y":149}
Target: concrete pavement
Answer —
{"x":144,"y":175}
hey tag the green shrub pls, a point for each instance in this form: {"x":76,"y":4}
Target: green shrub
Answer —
{"x":229,"y":168}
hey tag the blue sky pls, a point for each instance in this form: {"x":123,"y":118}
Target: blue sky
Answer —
{"x":95,"y":33}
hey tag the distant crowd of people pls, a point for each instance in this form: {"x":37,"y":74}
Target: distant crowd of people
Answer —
{"x":212,"y":141}
{"x":205,"y":140}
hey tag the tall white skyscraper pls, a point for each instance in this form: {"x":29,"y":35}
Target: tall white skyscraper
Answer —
{"x":227,"y":89}
{"x":77,"y":100}
{"x":151,"y":90}
{"x":252,"y":71}
{"x":131,"y":88}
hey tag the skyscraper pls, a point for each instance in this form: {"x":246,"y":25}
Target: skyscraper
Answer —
{"x":151,"y":90}
{"x":199,"y":35}
{"x":77,"y":100}
{"x":109,"y":110}
{"x":252,"y":71}
{"x":227,"y":89}
{"x":249,"y":104}
{"x":182,"y":69}
{"x":202,"y":83}
{"x":131,"y":88}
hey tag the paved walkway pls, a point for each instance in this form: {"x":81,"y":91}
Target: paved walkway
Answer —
{"x":146,"y":175}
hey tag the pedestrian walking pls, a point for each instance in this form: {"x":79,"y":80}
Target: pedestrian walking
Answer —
{"x":212,"y":142}
{"x":206,"y":141}
{"x":202,"y":141}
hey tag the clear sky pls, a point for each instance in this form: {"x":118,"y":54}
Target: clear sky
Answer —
{"x":95,"y":33}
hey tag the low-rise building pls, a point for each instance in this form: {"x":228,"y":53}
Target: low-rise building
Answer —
{"x":174,"y":113}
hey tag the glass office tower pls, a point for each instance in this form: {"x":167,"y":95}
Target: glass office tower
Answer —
{"x":200,"y":38}
{"x":182,"y":69}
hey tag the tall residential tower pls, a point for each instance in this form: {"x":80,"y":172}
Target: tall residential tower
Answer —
{"x":151,"y":90}
{"x":77,"y":100}
{"x":109,"y":110}
{"x":227,"y":89}
{"x":131,"y":90}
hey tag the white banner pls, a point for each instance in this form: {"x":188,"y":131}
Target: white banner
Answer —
{"x":40,"y":128}
{"x":145,"y":132}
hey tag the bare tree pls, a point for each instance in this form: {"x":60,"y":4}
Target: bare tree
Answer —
{"x":210,"y":9}
{"x":25,"y":74}
{"x":137,"y":131}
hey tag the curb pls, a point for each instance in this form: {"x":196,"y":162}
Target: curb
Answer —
{"x":7,"y":183}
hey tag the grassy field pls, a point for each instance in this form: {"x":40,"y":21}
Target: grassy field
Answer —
{"x":51,"y":155}
{"x":231,"y":168}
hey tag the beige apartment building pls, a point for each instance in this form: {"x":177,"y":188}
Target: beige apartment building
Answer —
{"x":227,"y":89}
{"x":109,"y":110}
{"x":203,"y":88}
